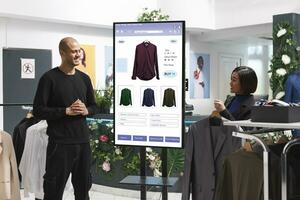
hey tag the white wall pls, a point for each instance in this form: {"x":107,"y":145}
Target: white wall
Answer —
{"x":216,"y":49}
{"x":93,"y":12}
{"x":234,"y":13}
{"x":205,"y":106}
{"x":197,"y":13}
{"x":41,"y":35}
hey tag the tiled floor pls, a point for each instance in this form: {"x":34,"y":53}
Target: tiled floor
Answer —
{"x":99,"y":192}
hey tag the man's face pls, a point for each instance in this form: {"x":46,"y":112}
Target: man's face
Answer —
{"x":72,"y":54}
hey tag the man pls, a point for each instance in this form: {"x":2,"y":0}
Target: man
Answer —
{"x":64,"y":98}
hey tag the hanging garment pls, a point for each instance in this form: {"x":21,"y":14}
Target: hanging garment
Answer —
{"x":242,"y":177}
{"x":19,"y":136}
{"x":292,"y":94}
{"x":292,"y":88}
{"x":9,"y":180}
{"x":33,"y":161}
{"x":169,"y":98}
{"x":145,"y":62}
{"x":125,"y":97}
{"x":205,"y":149}
{"x":148,"y":98}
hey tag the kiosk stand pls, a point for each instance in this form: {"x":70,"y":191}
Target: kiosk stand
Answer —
{"x":145,"y":181}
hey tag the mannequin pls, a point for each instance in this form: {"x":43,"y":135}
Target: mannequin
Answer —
{"x":292,"y":88}
{"x":292,"y":92}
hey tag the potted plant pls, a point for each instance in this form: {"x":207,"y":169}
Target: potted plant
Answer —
{"x":104,"y":99}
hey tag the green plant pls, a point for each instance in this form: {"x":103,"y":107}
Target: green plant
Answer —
{"x":175,"y":161}
{"x":154,"y":15}
{"x":104,"y":99}
{"x":285,"y":59}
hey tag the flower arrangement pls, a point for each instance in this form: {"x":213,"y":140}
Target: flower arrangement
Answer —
{"x":285,"y":59}
{"x":102,"y":145}
{"x":154,"y":15}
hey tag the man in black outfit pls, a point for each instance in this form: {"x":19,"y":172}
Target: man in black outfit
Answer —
{"x":64,"y":98}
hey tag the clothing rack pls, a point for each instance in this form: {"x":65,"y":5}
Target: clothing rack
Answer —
{"x":247,"y":135}
{"x":269,"y":127}
{"x":16,"y":104}
{"x":285,"y":151}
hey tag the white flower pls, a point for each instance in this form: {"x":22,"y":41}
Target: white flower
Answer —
{"x":118,"y":151}
{"x":148,"y":149}
{"x":298,"y":48}
{"x":281,"y":32}
{"x":96,"y":141}
{"x":279,"y":95}
{"x":156,"y":172}
{"x":152,"y":165}
{"x":106,"y":166}
{"x":281,"y":71}
{"x":285,"y":59}
{"x":151,"y":157}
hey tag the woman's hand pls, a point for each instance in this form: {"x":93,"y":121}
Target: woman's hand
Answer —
{"x":219,"y":105}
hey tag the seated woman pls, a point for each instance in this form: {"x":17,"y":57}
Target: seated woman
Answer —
{"x":243,"y":83}
{"x":208,"y":144}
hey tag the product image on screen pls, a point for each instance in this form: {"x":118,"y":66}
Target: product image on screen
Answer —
{"x":149,"y":83}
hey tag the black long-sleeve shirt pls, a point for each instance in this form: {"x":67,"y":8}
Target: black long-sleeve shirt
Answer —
{"x":145,"y":62}
{"x":56,"y":91}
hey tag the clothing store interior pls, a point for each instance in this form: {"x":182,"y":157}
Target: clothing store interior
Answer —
{"x":150,"y":100}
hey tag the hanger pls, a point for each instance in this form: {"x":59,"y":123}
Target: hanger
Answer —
{"x":29,"y":115}
{"x":146,"y":42}
{"x":247,"y":146}
{"x":215,"y":119}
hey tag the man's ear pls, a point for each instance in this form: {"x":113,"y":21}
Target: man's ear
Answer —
{"x":61,"y":52}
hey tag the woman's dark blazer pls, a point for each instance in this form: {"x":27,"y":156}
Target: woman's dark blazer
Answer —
{"x":242,"y":113}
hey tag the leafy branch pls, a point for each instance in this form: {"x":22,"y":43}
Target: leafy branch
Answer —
{"x":154,"y":15}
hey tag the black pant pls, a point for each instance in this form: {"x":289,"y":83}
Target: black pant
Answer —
{"x":63,"y":159}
